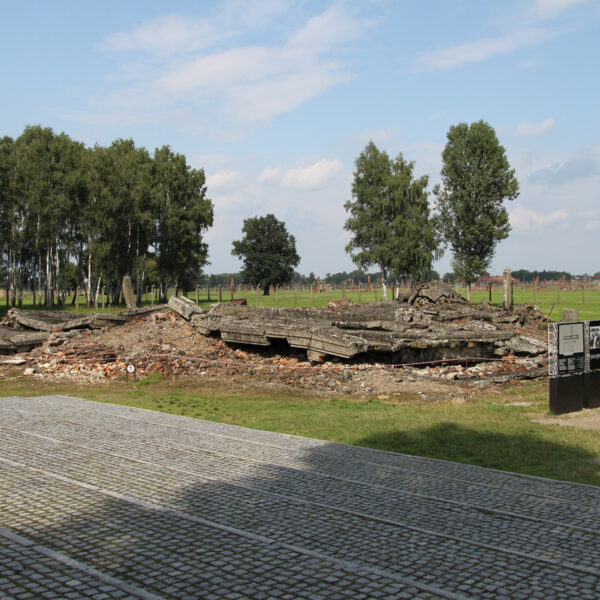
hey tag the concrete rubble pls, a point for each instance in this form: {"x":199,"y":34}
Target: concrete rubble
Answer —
{"x":429,"y":334}
{"x":184,"y":306}
{"x":431,"y":322}
{"x":24,"y":330}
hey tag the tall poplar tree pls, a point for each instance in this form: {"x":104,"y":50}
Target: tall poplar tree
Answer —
{"x":7,"y":200}
{"x":182,"y":213}
{"x":476,"y":180}
{"x":389,"y":218}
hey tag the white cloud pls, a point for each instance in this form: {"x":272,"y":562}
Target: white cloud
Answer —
{"x":377,"y":136}
{"x":535,"y":129}
{"x":222,"y":179}
{"x":310,"y":177}
{"x":590,"y":214}
{"x":593,"y":225}
{"x":567,"y":171}
{"x":552,"y":8}
{"x":164,"y":35}
{"x":313,"y":176}
{"x":178,"y":34}
{"x":525,"y":218}
{"x":270,"y":175}
{"x":480,"y":50}
{"x":267,"y":98}
{"x":330,"y":28}
{"x":248,"y":82}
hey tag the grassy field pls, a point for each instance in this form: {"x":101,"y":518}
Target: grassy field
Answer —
{"x":550,"y":301}
{"x":494,"y":429}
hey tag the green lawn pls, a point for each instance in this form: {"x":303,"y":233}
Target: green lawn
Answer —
{"x":206,"y":297}
{"x":493,"y":429}
{"x":549,"y":300}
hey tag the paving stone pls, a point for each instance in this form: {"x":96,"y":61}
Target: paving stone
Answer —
{"x":172,"y":507}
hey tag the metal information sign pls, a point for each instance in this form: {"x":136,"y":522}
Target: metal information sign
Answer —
{"x":574,"y":366}
{"x":571,"y":348}
{"x":594,"y":345}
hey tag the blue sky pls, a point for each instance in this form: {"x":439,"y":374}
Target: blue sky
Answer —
{"x":276,"y":99}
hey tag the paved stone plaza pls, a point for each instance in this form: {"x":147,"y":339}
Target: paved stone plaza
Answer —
{"x":103,"y":501}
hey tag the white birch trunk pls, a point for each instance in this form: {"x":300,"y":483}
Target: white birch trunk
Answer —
{"x":88,"y":284}
{"x":97,"y":292}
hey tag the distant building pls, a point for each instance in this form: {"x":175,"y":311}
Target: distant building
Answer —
{"x":493,"y":279}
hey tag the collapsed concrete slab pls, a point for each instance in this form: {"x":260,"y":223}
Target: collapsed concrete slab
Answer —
{"x":32,"y":328}
{"x":429,"y":323}
{"x":184,"y":306}
{"x":133,"y":313}
{"x":20,"y":340}
{"x":46,"y":320}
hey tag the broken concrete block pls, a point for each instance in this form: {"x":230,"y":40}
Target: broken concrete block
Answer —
{"x":14,"y":361}
{"x":144,"y":310}
{"x":184,"y":306}
{"x":46,"y":320}
{"x":570,"y":314}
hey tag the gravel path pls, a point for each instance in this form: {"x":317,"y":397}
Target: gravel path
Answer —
{"x":104,"y":501}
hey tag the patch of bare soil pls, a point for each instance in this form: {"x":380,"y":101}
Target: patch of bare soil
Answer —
{"x":167,"y":344}
{"x":588,"y":418}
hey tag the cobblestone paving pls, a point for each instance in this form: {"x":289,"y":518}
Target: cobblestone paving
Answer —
{"x":105,"y":501}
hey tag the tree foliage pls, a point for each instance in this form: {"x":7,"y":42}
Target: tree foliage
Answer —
{"x":92,"y":215}
{"x":268,"y":252}
{"x":389,"y":218}
{"x":476,"y":180}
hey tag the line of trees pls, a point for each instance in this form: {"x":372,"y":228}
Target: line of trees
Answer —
{"x":526,"y":275}
{"x":77,"y":216}
{"x":390,"y":220}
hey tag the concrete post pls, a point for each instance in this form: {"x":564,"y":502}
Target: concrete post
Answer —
{"x":507,"y":295}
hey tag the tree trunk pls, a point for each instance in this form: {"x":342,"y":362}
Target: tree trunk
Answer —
{"x":35,"y":282}
{"x":97,"y":292}
{"x":48,"y":276}
{"x":469,"y":292}
{"x":383,"y":284}
{"x":88,"y":285}
{"x":57,"y":274}
{"x":20,"y":286}
{"x":267,"y":290}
